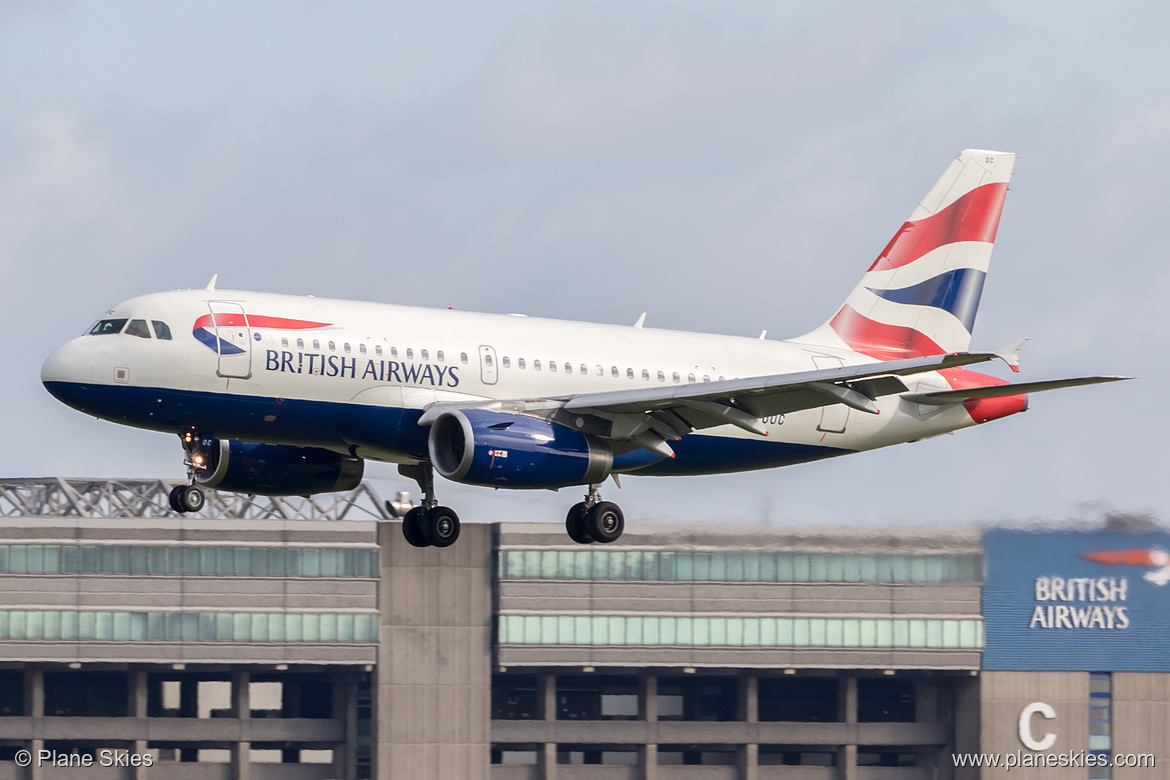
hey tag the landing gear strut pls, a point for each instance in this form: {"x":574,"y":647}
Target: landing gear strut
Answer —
{"x":594,"y":520}
{"x":429,"y":525}
{"x":190,"y":498}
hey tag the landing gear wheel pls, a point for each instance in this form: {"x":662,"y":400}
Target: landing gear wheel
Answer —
{"x":190,"y":498}
{"x":173,"y":498}
{"x":575,"y":523}
{"x":412,"y":528}
{"x":605,"y":522}
{"x":441,"y":526}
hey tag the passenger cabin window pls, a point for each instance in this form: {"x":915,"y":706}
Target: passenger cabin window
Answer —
{"x":161,"y":330}
{"x":629,"y":373}
{"x":552,"y":366}
{"x":690,"y":377}
{"x":613,"y":370}
{"x":506,"y":361}
{"x":519,"y":362}
{"x":568,"y":368}
{"x":316,"y":344}
{"x":138,"y":328}
{"x":409,"y":353}
{"x":439,"y":356}
{"x":283,"y":341}
{"x":599,"y":370}
{"x":661,"y":377}
{"x":378,"y":350}
{"x":676,"y":377}
{"x":300,"y":343}
{"x":362,"y":348}
{"x":345,"y":347}
{"x":645,"y":375}
{"x":487,"y":359}
{"x":332,"y":347}
{"x":535,"y":365}
{"x":393,"y":351}
{"x":107,"y":327}
{"x":706,"y":378}
{"x":423,"y":354}
{"x":584,"y":370}
{"x":463,"y":358}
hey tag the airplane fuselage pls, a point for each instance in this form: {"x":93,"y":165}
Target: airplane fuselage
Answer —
{"x":355,"y":377}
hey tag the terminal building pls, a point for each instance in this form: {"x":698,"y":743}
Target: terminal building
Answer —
{"x":305,"y":640}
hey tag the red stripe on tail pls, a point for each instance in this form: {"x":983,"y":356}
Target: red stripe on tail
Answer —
{"x":878,"y":340}
{"x":973,"y":217}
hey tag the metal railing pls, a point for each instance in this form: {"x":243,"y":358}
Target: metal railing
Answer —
{"x":132,"y":498}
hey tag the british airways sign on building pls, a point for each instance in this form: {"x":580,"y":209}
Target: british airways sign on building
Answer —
{"x":1086,"y":601}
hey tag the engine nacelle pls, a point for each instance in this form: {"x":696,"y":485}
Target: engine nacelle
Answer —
{"x":494,"y":449}
{"x":278,"y":469}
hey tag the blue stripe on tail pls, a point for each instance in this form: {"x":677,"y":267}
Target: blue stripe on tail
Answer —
{"x":955,"y":291}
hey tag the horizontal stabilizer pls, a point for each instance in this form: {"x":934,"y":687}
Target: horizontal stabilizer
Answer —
{"x":943,"y":397}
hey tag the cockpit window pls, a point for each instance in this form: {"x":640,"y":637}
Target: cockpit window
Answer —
{"x":138,"y":328}
{"x":161,"y":330}
{"x":106,"y":327}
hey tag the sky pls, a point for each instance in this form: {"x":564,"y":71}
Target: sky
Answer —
{"x":723,"y":166}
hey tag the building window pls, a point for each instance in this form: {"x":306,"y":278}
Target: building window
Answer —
{"x":1101,"y":723}
{"x":187,"y":560}
{"x":687,"y":631}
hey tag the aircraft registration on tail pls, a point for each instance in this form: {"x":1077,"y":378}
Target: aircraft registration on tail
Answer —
{"x":288,"y":395}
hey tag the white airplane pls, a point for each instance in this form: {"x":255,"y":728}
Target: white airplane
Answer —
{"x":286,"y":395}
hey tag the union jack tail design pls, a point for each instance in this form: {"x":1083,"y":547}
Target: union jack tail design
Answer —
{"x":920,"y":296}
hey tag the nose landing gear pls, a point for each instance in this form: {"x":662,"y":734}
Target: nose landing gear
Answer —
{"x":594,"y":520}
{"x":429,"y":525}
{"x":191,"y":498}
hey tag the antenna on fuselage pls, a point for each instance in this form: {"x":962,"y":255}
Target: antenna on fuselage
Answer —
{"x":211,"y":284}
{"x":641,"y":321}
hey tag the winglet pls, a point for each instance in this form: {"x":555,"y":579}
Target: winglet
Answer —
{"x":211,"y":284}
{"x":1011,"y":354}
{"x":641,"y":320}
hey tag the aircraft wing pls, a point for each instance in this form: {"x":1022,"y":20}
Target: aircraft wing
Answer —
{"x":944,"y":397}
{"x":650,"y":416}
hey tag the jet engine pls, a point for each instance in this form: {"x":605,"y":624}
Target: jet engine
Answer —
{"x":277,"y":469}
{"x":495,"y":449}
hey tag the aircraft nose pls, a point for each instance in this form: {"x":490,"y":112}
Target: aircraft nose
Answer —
{"x":71,"y":363}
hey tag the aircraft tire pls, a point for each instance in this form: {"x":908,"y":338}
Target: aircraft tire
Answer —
{"x":605,"y":522}
{"x":173,"y":498}
{"x":412,"y":528}
{"x":575,"y":523}
{"x":191,"y":498}
{"x":441,"y":526}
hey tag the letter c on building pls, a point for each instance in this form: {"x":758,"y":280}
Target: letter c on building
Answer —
{"x":1026,"y":735}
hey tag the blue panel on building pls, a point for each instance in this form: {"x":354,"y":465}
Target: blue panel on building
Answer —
{"x":1077,"y":601}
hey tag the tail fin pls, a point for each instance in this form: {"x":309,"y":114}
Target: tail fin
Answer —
{"x":920,"y":296}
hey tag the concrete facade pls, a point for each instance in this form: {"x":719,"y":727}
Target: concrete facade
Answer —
{"x":434,"y":660}
{"x":250,"y":649}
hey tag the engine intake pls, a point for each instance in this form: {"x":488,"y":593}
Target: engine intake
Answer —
{"x":494,"y":449}
{"x":278,"y":469}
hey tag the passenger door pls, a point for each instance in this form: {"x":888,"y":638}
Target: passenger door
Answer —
{"x":488,"y":369}
{"x":234,"y":339}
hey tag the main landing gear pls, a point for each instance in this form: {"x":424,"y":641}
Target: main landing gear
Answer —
{"x":429,"y":525}
{"x":594,"y":520}
{"x":190,"y":498}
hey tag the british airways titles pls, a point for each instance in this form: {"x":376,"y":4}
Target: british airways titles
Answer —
{"x":398,"y":372}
